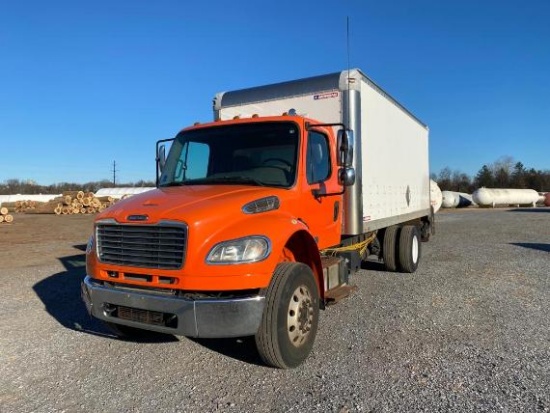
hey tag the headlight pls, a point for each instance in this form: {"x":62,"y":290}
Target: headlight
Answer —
{"x":242,"y":250}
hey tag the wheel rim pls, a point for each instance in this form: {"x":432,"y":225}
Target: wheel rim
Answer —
{"x":414,"y":249}
{"x":300,"y":316}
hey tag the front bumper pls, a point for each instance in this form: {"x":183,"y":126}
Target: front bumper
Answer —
{"x":207,"y":318}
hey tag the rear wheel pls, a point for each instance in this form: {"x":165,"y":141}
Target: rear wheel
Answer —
{"x":290,"y":318}
{"x":389,"y":248}
{"x":409,"y":248}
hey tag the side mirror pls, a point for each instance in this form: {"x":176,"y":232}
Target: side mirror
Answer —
{"x":161,"y":157}
{"x":345,"y":147}
{"x":346,"y":176}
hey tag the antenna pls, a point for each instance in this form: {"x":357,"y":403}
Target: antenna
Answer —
{"x":347,"y":43}
{"x":348,"y":70}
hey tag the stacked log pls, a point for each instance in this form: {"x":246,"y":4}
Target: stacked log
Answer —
{"x":10,"y":206}
{"x":69,"y":203}
{"x":5,"y":216}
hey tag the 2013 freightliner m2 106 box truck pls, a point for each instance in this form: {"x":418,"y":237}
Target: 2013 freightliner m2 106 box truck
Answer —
{"x":261,"y":217}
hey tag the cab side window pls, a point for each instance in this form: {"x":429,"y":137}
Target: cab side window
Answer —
{"x":317,"y":158}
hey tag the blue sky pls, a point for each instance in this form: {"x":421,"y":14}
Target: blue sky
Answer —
{"x":83,"y":84}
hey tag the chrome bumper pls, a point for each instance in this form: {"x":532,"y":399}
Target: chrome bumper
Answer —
{"x":195,"y":318}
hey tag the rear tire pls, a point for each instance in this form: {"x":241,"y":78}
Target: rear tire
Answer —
{"x":389,"y":248}
{"x":290,"y":318}
{"x":409,"y":249}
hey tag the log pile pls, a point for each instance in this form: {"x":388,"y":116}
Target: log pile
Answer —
{"x":5,"y":216}
{"x":69,"y":203}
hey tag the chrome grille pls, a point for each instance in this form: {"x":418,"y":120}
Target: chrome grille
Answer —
{"x":148,"y":246}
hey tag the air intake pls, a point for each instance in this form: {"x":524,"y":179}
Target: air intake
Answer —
{"x":161,"y":246}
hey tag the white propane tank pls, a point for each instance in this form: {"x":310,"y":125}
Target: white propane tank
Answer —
{"x":436,"y":197}
{"x":453,"y":199}
{"x":466,"y":200}
{"x":450,"y":199}
{"x":494,"y":196}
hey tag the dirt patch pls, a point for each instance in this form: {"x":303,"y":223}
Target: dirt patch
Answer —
{"x":40,"y":239}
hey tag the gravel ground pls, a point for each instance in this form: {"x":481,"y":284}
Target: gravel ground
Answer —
{"x":468,"y":332}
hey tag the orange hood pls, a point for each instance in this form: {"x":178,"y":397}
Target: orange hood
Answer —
{"x":187,"y":203}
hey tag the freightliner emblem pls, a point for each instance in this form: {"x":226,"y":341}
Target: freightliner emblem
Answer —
{"x":138,"y":217}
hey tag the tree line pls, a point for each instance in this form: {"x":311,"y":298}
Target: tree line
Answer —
{"x":16,"y":186}
{"x":503,"y":173}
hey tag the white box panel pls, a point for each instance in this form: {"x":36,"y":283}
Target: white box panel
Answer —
{"x":394,"y":154}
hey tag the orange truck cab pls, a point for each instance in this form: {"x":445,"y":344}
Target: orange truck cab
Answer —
{"x":245,"y":235}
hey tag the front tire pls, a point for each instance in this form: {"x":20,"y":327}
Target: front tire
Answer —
{"x":290,"y":318}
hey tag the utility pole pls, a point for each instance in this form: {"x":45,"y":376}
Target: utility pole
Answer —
{"x":114,"y":174}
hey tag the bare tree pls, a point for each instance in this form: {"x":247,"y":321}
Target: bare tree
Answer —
{"x":505,"y":163}
{"x":444,"y":179}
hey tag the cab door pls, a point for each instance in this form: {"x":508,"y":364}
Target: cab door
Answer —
{"x":321,"y":212}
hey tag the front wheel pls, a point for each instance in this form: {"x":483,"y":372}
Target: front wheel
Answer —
{"x":290,"y":318}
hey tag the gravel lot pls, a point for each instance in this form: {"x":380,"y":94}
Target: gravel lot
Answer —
{"x":469,"y":331}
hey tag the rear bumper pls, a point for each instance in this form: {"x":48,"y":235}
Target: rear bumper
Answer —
{"x":193,"y":318}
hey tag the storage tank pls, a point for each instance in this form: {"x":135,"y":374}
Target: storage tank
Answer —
{"x":494,"y":196}
{"x":453,"y":199}
{"x":467,"y":198}
{"x":450,"y":199}
{"x":436,"y":198}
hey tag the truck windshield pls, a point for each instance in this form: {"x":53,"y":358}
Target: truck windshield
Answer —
{"x":246,"y":154}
